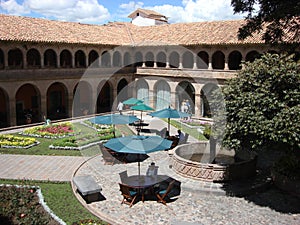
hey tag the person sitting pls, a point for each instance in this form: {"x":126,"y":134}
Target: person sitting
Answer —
{"x":152,"y":170}
{"x":180,"y":135}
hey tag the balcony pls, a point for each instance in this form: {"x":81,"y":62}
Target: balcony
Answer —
{"x":183,"y":73}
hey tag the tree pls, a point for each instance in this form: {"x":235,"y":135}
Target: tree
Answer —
{"x":279,"y":18}
{"x":263,"y":105}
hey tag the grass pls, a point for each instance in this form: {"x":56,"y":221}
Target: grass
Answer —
{"x":191,"y":131}
{"x":43,"y":147}
{"x":60,"y":199}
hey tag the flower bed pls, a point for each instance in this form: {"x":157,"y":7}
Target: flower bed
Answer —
{"x":25,"y":205}
{"x":80,"y":142}
{"x":58,"y":130}
{"x":11,"y":141}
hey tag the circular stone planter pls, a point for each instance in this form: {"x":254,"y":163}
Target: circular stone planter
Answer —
{"x":227,"y":167}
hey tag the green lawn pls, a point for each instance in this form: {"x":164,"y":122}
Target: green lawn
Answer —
{"x":60,"y":199}
{"x":191,"y":131}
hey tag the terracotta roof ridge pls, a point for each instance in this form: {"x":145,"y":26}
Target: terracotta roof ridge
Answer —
{"x":129,"y":34}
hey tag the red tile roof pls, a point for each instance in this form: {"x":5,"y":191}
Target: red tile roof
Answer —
{"x":17,"y":28}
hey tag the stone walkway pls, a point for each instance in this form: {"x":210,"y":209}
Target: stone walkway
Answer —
{"x":193,"y":206}
{"x":198,"y":203}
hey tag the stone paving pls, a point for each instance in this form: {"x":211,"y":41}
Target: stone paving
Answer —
{"x":198,"y":203}
{"x":35,"y":167}
{"x":193,"y":206}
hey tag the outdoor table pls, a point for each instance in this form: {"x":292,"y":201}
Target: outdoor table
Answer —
{"x":175,"y":141}
{"x":142,"y":182}
{"x":139,"y":125}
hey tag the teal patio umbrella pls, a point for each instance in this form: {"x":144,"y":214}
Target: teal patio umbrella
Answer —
{"x":113,"y":119}
{"x":141,"y":107}
{"x":132,"y":101}
{"x":169,"y":113}
{"x":137,"y":144}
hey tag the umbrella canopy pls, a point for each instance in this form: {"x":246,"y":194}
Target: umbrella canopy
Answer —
{"x":169,"y":113}
{"x":141,"y":107}
{"x":132,"y":101}
{"x":138,"y":144}
{"x":114,"y":119}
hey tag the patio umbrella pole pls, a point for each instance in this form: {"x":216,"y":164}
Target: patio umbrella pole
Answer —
{"x":169,"y":125}
{"x":114,"y":130}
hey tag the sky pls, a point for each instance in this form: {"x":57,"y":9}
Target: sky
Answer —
{"x":104,"y":11}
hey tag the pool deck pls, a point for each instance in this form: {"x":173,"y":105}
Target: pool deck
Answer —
{"x":198,"y":203}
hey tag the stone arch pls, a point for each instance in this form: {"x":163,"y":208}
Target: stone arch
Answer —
{"x":187,"y":60}
{"x":105,"y":59}
{"x":4,"y":109}
{"x":1,"y":59}
{"x":28,"y":104}
{"x":15,"y":59}
{"x":93,"y":58}
{"x":127,"y":59}
{"x":235,"y":60}
{"x":80,"y":59}
{"x":202,"y":60}
{"x":218,"y":60}
{"x":33,"y":58}
{"x":161,"y":59}
{"x":149,"y":59}
{"x":65,"y":59}
{"x":251,"y":56}
{"x":105,"y":97}
{"x":206,"y":98}
{"x":82,"y":100}
{"x":50,"y":58}
{"x":174,"y":60}
{"x":142,"y":90}
{"x":57,"y":101}
{"x":138,"y":59}
{"x":117,"y":61}
{"x":185,"y":93}
{"x":122,"y":90}
{"x":162,"y":92}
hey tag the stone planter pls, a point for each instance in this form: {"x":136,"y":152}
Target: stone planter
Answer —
{"x":183,"y":164}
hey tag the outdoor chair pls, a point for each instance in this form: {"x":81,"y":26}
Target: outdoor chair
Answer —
{"x":129,"y":195}
{"x":123,"y":176}
{"x":162,"y":132}
{"x":184,"y":141}
{"x":107,"y":157}
{"x":162,"y":195}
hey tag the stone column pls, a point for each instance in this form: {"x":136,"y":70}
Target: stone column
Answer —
{"x":12,"y":112}
{"x":44,"y":105}
{"x":226,"y":63}
{"x":210,"y":62}
{"x":70,"y":104}
{"x":24,"y":60}
{"x":73,"y":61}
{"x":195,"y":61}
{"x":197,"y":105}
{"x":180,"y":62}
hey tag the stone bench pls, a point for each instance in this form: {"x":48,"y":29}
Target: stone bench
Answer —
{"x":87,"y":187}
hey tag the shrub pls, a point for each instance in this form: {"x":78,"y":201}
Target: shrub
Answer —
{"x":20,"y":205}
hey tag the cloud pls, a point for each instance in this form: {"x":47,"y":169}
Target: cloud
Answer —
{"x":13,"y":7}
{"x":126,"y":8}
{"x":85,"y":11}
{"x":196,"y":10}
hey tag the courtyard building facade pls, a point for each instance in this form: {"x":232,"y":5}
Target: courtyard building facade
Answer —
{"x":53,"y":69}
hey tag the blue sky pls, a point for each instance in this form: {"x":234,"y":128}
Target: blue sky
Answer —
{"x":103,"y":11}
